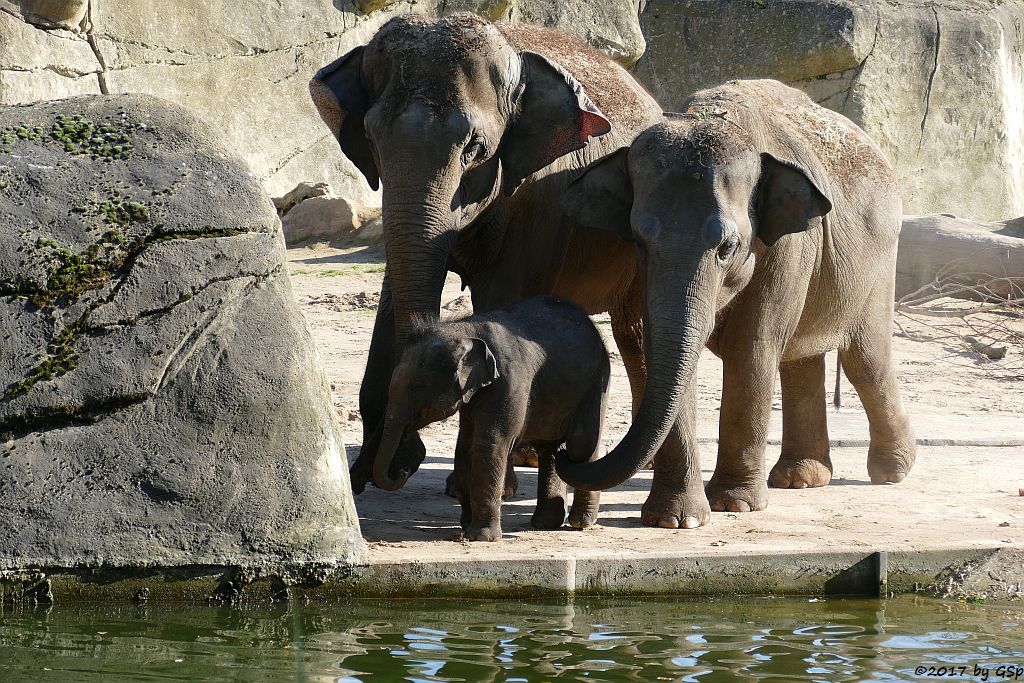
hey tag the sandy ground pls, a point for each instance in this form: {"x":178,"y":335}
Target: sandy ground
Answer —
{"x":965,"y":494}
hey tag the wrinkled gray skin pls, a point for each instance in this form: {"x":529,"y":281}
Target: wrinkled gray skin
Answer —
{"x":534,"y":373}
{"x":767,"y":227}
{"x":474,"y":130}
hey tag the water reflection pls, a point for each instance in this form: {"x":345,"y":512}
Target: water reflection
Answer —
{"x":592,"y":640}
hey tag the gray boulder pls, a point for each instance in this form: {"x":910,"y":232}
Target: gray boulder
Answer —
{"x":162,"y":401}
{"x":939,"y":85}
{"x":312,"y":212}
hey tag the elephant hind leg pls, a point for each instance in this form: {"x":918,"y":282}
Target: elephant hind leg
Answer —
{"x":551,"y":493}
{"x":584,"y":445}
{"x":804,"y":462}
{"x":867,"y":362}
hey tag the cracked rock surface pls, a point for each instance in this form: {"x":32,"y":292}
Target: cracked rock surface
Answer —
{"x":162,"y":401}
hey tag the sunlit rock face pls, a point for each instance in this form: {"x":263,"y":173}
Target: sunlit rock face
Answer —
{"x":938,"y":85}
{"x":161,"y":400}
{"x":245,"y":65}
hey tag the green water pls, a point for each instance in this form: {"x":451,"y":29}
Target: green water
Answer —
{"x":587,"y":640}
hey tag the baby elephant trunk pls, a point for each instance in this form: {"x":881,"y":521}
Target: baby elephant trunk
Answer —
{"x":392,"y":437}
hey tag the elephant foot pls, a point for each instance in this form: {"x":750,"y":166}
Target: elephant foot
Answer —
{"x":524,"y":457}
{"x":511,"y":484}
{"x":582,"y":520}
{"x":482,"y":533}
{"x":891,"y":465}
{"x":729,"y":496}
{"x":800,"y":473}
{"x":550,"y":514}
{"x":449,"y":486}
{"x":360,"y":474}
{"x":679,"y":512}
{"x":583,"y":513}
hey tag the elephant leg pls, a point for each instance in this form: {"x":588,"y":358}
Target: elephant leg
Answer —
{"x":490,"y":458}
{"x":459,"y":481}
{"x":628,"y":332}
{"x":867,"y":362}
{"x":677,"y":497}
{"x":511,"y":482}
{"x":804,"y":462}
{"x":373,"y":398}
{"x":748,"y":378}
{"x":584,"y":445}
{"x":551,"y":493}
{"x":525,"y":456}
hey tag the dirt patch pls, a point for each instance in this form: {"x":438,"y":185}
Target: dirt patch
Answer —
{"x":355,"y":301}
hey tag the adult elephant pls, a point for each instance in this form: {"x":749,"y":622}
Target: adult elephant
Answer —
{"x":474,"y":130}
{"x":768,"y":228}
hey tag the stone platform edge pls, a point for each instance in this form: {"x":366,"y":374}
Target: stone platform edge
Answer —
{"x":873,"y":573}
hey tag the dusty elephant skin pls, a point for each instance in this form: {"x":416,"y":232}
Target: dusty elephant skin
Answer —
{"x":534,"y":373}
{"x":162,"y":402}
{"x":474,"y":130}
{"x":767,"y":227}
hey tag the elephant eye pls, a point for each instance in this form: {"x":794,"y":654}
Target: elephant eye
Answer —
{"x":727,"y":248}
{"x":474,"y":151}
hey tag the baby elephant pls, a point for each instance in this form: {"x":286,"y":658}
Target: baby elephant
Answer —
{"x":534,"y":373}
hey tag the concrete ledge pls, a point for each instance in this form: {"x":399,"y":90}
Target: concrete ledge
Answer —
{"x":950,"y":572}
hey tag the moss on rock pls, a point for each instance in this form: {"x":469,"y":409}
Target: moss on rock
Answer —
{"x":78,"y":135}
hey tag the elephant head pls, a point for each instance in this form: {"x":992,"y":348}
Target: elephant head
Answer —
{"x":446,"y":115}
{"x":703,"y":201}
{"x":436,"y":375}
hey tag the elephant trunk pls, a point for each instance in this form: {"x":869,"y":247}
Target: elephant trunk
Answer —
{"x":418,"y":241}
{"x":675,"y":333}
{"x":394,"y":428}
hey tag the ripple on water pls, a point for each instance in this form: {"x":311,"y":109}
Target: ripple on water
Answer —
{"x":591,"y":640}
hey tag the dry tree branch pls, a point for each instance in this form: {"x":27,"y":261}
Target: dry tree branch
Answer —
{"x":989,"y":326}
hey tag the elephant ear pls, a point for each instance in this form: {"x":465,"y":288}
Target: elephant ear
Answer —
{"x":341,"y":98}
{"x":555,"y":117}
{"x":602,"y":198}
{"x":476,"y":368}
{"x":787,"y":199}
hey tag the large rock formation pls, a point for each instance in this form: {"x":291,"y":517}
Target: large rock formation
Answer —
{"x":939,"y":85}
{"x":245,"y":64}
{"x":162,"y":400}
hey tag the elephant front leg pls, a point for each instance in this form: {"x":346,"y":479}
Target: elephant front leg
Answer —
{"x":738,"y":484}
{"x":551,"y":493}
{"x":487,"y":482}
{"x":804,"y":462}
{"x":459,"y":482}
{"x":677,"y":498}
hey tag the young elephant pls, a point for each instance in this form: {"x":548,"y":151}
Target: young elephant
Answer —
{"x":767,"y":229}
{"x":534,"y":373}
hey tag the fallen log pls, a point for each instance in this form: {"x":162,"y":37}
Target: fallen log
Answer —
{"x":941,"y":246}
